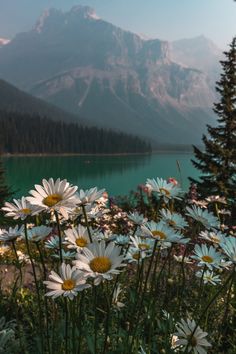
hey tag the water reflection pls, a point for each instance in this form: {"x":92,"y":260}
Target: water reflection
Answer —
{"x":86,"y":171}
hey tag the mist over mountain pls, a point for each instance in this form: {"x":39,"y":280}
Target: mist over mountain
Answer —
{"x":199,"y":52}
{"x":113,"y":78}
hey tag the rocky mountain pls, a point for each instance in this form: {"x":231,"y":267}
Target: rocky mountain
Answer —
{"x":112,"y":77}
{"x":14,"y":100}
{"x":199,"y":52}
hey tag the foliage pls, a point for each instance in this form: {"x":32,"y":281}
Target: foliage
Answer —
{"x":218,"y":161}
{"x":24,"y":133}
{"x":165,"y":277}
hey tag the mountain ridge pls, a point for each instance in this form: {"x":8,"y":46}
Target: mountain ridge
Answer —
{"x":112,"y":77}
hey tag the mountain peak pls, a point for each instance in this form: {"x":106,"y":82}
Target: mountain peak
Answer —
{"x":84,"y":11}
{"x":48,"y":13}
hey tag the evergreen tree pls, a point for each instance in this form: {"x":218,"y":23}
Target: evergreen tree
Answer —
{"x":4,"y":190}
{"x":218,"y":161}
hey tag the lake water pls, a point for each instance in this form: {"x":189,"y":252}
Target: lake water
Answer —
{"x":117,"y":174}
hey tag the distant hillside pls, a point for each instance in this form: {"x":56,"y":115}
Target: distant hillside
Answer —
{"x":15,"y":100}
{"x":31,"y":134}
{"x":110,"y":76}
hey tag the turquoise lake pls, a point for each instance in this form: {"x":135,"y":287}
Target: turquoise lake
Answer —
{"x":117,"y":174}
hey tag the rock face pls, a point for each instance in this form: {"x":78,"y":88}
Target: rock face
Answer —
{"x":110,"y":76}
{"x":200,"y":53}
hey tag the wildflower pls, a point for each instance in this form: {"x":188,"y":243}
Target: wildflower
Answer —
{"x":19,"y":209}
{"x":206,"y":218}
{"x":121,"y":240}
{"x":195,"y":341}
{"x":53,"y":242}
{"x":54,"y":196}
{"x":142,"y":244}
{"x":164,"y":189}
{"x":11,"y":234}
{"x":229,"y":247}
{"x":77,"y":237}
{"x":173,"y":219}
{"x":136,"y":218}
{"x":85,"y":197}
{"x":115,"y":302}
{"x":134,"y":255}
{"x":65,"y":255}
{"x":183,"y":259}
{"x":68,"y":283}
{"x":207,"y":256}
{"x":208,"y":277}
{"x":100,"y":261}
{"x":216,"y":199}
{"x":4,"y":249}
{"x":38,"y":233}
{"x":173,"y":181}
{"x":160,"y":231}
{"x":212,"y":236}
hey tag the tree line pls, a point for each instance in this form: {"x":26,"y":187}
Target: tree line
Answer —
{"x":25,"y":133}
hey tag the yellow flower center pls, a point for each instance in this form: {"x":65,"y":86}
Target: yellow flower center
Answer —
{"x":52,"y":199}
{"x":136,"y":256}
{"x":159,"y":234}
{"x":192,"y":340}
{"x":171,"y":222}
{"x":100,"y":264}
{"x":68,"y":284}
{"x":207,"y":259}
{"x":165,"y":191}
{"x":81,"y":242}
{"x":25,"y":211}
{"x":143,"y":246}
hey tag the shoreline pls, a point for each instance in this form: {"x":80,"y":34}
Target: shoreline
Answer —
{"x":99,"y":154}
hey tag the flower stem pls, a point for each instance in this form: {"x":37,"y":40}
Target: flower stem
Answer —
{"x":59,"y":235}
{"x":87,"y":225}
{"x":37,"y":289}
{"x":214,"y":297}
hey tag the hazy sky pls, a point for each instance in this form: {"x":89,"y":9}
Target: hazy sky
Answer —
{"x":164,"y":19}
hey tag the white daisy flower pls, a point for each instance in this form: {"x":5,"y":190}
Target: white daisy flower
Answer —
{"x":213,"y":236}
{"x":160,"y":231}
{"x":138,"y":219}
{"x":142,"y":244}
{"x":134,"y":255}
{"x":229,"y":247}
{"x":208,"y":277}
{"x":54,"y":196}
{"x":174,"y":220}
{"x":19,"y":209}
{"x":68,"y":283}
{"x":195,"y":341}
{"x":164,"y":189}
{"x":38,"y":233}
{"x":203,"y":216}
{"x":100,"y":261}
{"x":77,"y":237}
{"x":207,"y":256}
{"x":11,"y":234}
{"x":121,"y":240}
{"x":67,"y":255}
{"x":53,"y":242}
{"x":84,"y":197}
{"x":183,"y":259}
